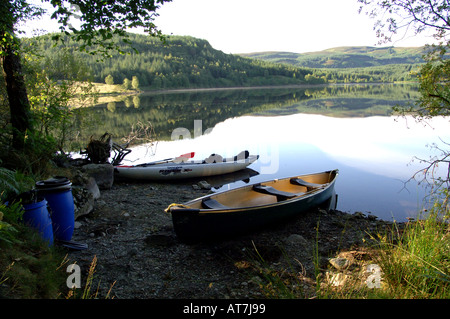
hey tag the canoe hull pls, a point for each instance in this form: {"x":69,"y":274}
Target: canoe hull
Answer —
{"x":196,"y":223}
{"x":176,"y":171}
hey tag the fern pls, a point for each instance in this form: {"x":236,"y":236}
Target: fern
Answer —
{"x":8,"y":182}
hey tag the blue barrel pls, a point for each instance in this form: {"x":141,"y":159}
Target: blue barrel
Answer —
{"x":38,"y":217}
{"x":58,"y":192}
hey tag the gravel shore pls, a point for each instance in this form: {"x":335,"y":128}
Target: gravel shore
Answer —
{"x":137,"y":250}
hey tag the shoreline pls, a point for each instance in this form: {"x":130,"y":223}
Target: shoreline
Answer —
{"x":264,"y":87}
{"x":136,"y":248}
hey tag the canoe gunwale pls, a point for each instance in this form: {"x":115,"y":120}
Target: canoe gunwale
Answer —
{"x":191,"y":223}
{"x":299,"y":197}
{"x":249,"y":159}
{"x":304,"y":196}
{"x":175,"y":171}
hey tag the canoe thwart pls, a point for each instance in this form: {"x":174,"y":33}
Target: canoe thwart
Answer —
{"x":250,"y":207}
{"x":210,"y":203}
{"x":300,"y":182}
{"x":269,"y":190}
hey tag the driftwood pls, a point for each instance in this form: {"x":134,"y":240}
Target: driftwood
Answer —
{"x":99,"y":151}
{"x":120,"y":152}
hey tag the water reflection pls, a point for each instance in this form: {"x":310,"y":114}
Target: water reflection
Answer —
{"x":373,"y":154}
{"x":167,"y":111}
{"x":297,"y":131}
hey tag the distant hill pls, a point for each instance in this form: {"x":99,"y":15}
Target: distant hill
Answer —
{"x":345,"y":57}
{"x":181,"y":62}
{"x":188,"y":62}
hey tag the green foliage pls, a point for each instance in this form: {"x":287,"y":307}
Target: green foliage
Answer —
{"x":53,"y":83}
{"x":13,"y":12}
{"x":187,"y":62}
{"x":406,"y":16}
{"x":434,"y":75}
{"x":419,"y":15}
{"x":103,"y":26}
{"x":135,"y":82}
{"x":13,"y":183}
{"x":29,"y":269}
{"x":418,"y":265}
{"x":179,"y":62}
{"x":34,"y":159}
{"x":7,"y":231}
{"x":126,"y":84}
{"x":434,"y":87}
{"x":109,"y":79}
{"x":346,"y":57}
{"x":10,"y":215}
{"x":8,"y":183}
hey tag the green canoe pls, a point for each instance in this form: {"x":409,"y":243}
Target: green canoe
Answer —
{"x":252,"y":206}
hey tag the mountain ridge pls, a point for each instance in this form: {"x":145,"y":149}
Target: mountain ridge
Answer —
{"x":344,"y":57}
{"x":189,"y":62}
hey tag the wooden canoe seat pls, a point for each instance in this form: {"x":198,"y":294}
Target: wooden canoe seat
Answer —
{"x":210,"y":203}
{"x":300,"y":182}
{"x":269,"y":190}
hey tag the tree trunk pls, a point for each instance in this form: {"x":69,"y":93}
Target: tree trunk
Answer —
{"x":15,"y":84}
{"x":17,"y":96}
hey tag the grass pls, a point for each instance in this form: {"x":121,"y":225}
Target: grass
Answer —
{"x":412,"y":262}
{"x":418,"y":266}
{"x":30,"y":269}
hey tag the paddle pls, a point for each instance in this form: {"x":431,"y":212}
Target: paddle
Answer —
{"x":178,"y":159}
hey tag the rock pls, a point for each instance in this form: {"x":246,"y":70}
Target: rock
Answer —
{"x":102,"y":173}
{"x":296,"y":240}
{"x":85,"y":191}
{"x":83,"y":201}
{"x":83,"y":180}
{"x":92,"y":187}
{"x":337,"y":279}
{"x":340,"y":263}
{"x":358,"y":215}
{"x":204,"y":185}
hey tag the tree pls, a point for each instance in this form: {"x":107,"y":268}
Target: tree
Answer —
{"x":12,"y":12}
{"x":419,"y":16}
{"x":109,"y":79}
{"x":100,"y":21}
{"x":126,"y":84}
{"x":135,"y":82}
{"x":395,"y":16}
{"x":434,"y":76}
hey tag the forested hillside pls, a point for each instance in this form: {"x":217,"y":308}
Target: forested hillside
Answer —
{"x":182,"y":62}
{"x":345,"y":57}
{"x":187,"y":62}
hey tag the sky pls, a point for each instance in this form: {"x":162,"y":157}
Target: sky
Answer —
{"x":245,"y":26}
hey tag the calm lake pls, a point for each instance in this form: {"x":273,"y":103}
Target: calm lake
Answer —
{"x":295,"y":131}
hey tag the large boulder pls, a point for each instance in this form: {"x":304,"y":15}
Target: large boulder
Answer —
{"x":85,"y":191}
{"x":102,"y":173}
